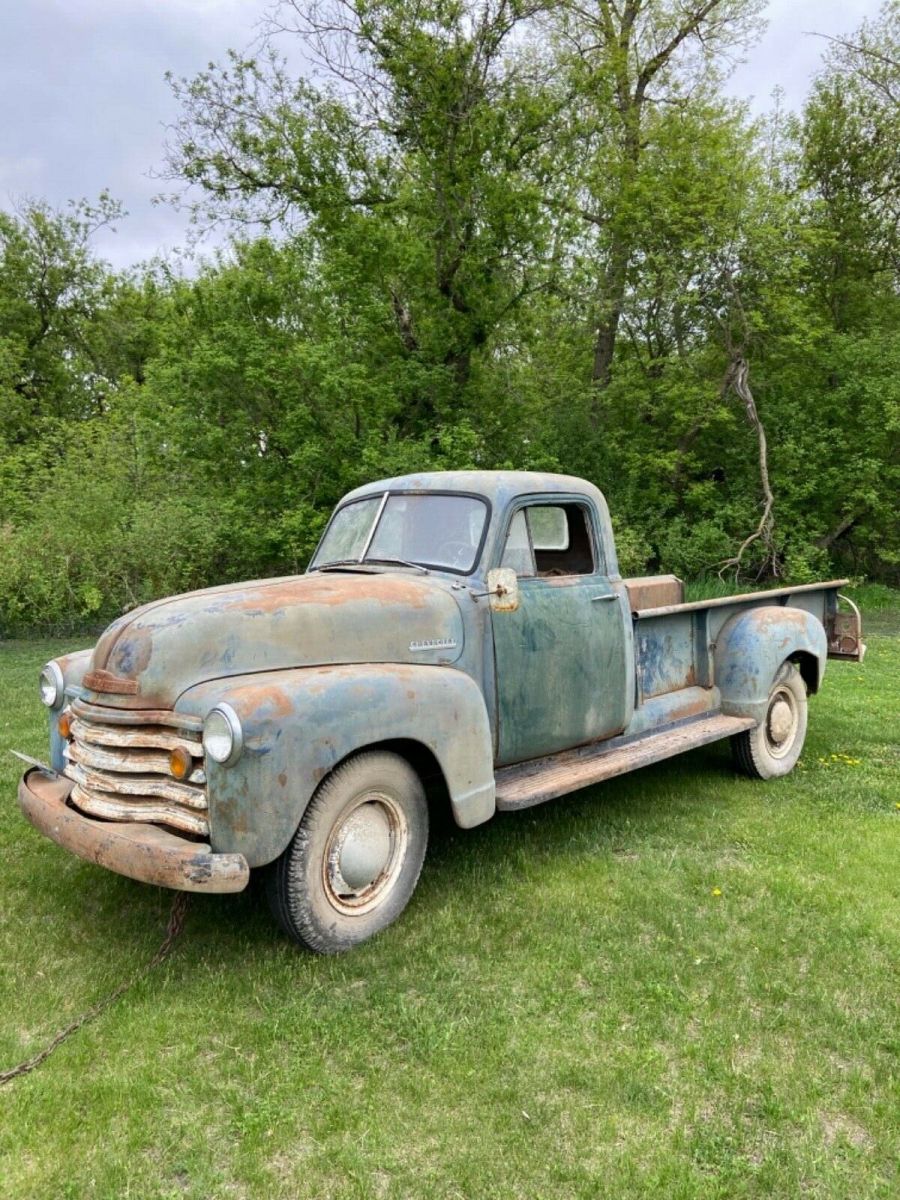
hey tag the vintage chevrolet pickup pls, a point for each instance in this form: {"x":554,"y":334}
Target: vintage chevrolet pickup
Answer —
{"x":461,"y":638}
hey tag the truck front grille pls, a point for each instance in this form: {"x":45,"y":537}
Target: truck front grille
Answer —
{"x":121,"y":771}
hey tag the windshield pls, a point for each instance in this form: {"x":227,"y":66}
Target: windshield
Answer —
{"x":432,"y":530}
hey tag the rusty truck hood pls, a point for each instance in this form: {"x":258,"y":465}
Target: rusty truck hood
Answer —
{"x":147,"y":658}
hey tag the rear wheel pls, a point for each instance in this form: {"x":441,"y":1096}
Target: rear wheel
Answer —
{"x":355,"y":859}
{"x":774,"y":746}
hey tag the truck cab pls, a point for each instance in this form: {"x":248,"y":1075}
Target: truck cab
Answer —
{"x":456,"y":634}
{"x":538,"y":662}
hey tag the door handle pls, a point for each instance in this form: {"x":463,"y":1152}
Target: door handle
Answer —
{"x":605,"y":596}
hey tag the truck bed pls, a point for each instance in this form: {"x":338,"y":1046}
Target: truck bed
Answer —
{"x":674,"y":643}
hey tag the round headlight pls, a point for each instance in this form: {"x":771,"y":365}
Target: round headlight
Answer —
{"x":222,"y":736}
{"x":51,"y":685}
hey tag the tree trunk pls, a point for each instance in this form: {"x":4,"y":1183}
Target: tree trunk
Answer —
{"x":842,"y":527}
{"x":608,"y":325}
{"x":737,"y":378}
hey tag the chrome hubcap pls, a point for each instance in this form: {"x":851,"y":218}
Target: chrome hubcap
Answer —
{"x":365,"y":854}
{"x":781,"y":722}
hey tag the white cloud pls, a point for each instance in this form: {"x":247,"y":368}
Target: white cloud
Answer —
{"x":85,"y":102}
{"x":789,"y":53}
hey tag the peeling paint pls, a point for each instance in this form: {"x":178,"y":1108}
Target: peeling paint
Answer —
{"x":320,"y":666}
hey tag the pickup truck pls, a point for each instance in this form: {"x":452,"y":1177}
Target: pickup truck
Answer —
{"x":459,"y":637}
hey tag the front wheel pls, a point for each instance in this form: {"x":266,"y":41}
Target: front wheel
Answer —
{"x":355,"y":859}
{"x":774,"y":746}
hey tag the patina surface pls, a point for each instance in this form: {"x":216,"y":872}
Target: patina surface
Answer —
{"x":463,"y":683}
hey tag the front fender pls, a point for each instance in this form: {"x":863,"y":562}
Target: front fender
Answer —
{"x":73,"y":667}
{"x":751,"y":647}
{"x":299,"y":724}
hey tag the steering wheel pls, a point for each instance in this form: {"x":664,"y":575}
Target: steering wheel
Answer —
{"x":454,"y":554}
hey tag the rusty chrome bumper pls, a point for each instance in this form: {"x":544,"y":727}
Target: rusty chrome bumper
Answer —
{"x":140,"y":851}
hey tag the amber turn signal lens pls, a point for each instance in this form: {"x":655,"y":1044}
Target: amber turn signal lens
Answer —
{"x":180,"y":763}
{"x":64,"y":725}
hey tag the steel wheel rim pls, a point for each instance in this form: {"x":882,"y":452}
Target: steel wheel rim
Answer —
{"x":782,"y":722}
{"x":365,"y":853}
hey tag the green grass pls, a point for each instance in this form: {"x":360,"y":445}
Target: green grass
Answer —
{"x":681,"y":984}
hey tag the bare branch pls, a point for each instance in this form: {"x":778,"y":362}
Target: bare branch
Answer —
{"x":737,"y":380}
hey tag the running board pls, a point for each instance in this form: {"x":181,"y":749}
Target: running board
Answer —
{"x":541,"y":779}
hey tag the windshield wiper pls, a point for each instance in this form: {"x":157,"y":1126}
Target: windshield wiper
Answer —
{"x":353,"y":564}
{"x":344,"y":564}
{"x":403,"y":562}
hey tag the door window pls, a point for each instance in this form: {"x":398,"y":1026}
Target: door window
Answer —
{"x":549,"y":540}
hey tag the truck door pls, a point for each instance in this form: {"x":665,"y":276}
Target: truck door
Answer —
{"x":561,"y":656}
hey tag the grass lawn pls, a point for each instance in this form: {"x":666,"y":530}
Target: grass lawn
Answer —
{"x":679,"y":984}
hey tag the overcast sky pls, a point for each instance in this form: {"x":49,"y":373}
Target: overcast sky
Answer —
{"x":84,"y":101}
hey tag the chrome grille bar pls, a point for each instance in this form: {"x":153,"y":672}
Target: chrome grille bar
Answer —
{"x":115,"y":735}
{"x":122,"y":772}
{"x":113,"y":809}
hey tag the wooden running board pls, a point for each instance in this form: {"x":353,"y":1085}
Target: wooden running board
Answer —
{"x":541,"y":779}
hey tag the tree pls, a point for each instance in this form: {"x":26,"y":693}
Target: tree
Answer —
{"x":624,"y":62}
{"x":850,"y":172}
{"x":51,"y":290}
{"x":426,"y":158}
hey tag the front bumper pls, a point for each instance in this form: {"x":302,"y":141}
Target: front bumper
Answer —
{"x":144,"y":852}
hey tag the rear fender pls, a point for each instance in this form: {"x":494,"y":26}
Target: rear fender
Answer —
{"x":751,"y":648}
{"x":299,"y":724}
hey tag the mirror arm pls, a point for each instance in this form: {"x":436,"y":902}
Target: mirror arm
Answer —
{"x":499,"y":590}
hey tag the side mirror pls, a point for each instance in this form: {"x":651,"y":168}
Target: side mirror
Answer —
{"x":503,"y":589}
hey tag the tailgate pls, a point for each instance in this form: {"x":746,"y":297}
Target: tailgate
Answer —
{"x":844,"y":631}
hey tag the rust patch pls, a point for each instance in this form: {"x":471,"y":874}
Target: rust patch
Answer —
{"x":653,"y":591}
{"x":143,"y":852}
{"x":329,"y":591}
{"x":692,"y":708}
{"x":844,"y":632}
{"x":262,"y":699}
{"x":135,"y":716}
{"x":106,"y":681}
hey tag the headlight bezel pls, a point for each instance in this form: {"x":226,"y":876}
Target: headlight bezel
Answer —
{"x":52,"y":674}
{"x":235,"y":734}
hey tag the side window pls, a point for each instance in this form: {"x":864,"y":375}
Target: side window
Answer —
{"x":550,"y":540}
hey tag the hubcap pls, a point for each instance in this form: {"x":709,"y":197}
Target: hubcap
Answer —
{"x":781,"y":722}
{"x":365,"y":854}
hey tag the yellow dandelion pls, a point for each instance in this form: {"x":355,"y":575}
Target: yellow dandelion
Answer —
{"x":718,"y":891}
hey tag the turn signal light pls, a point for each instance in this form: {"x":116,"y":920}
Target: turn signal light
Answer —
{"x":180,"y":763}
{"x":64,"y":725}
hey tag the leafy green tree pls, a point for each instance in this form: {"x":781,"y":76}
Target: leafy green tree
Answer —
{"x":51,"y":289}
{"x":624,"y":62}
{"x":850,"y":170}
{"x":426,"y":158}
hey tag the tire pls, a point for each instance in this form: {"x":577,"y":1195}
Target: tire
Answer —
{"x":772,"y":749}
{"x":353,"y":864}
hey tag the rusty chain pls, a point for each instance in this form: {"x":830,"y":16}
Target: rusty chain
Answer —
{"x":173,"y":929}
